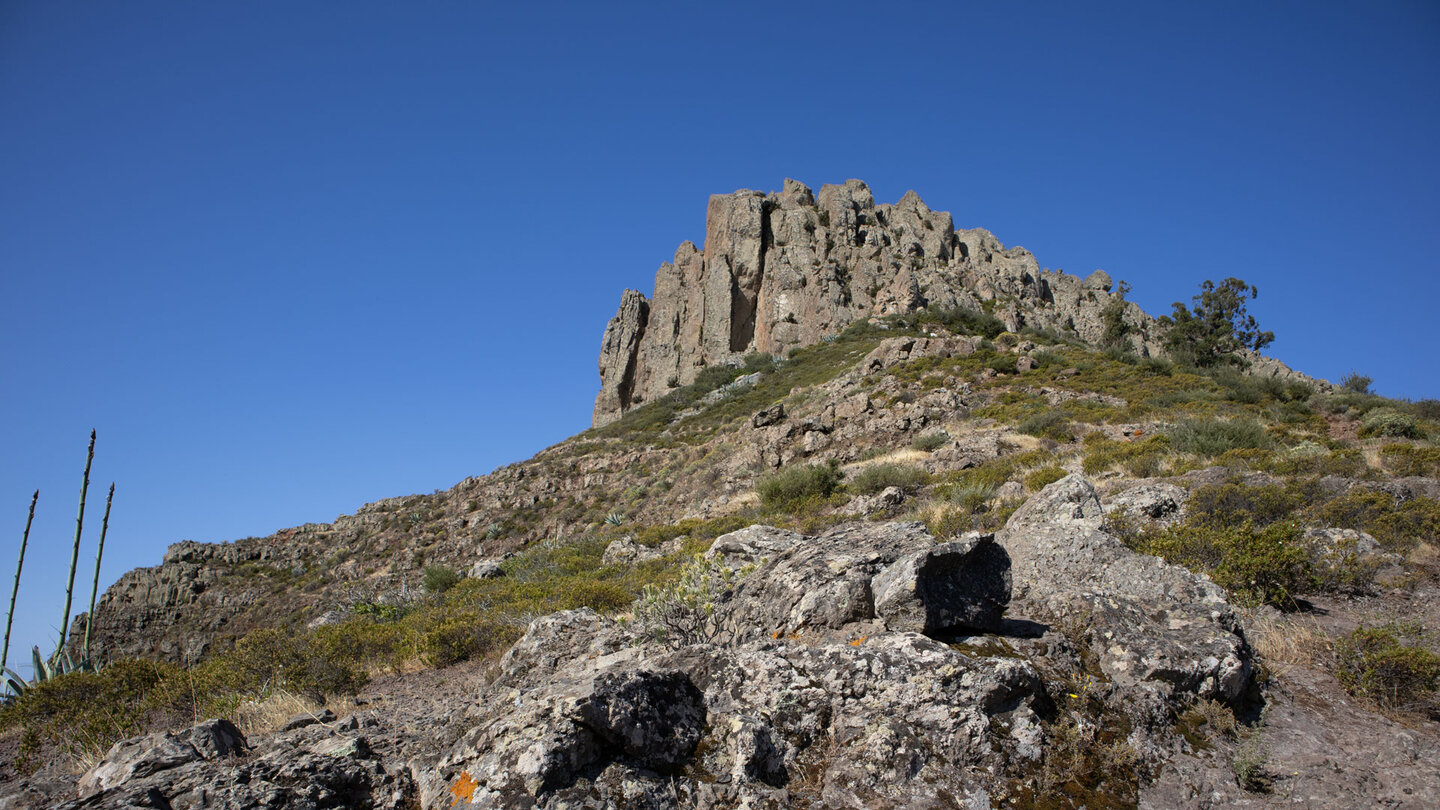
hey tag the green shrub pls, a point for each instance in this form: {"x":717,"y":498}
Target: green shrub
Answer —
{"x":1397,"y":526}
{"x":466,"y":636}
{"x":1232,"y":503}
{"x":879,"y":476}
{"x":1051,"y":424}
{"x":439,"y":578}
{"x":963,"y":321}
{"x":930,"y":441}
{"x":1257,"y":566}
{"x":1377,"y":664}
{"x":1141,"y":458}
{"x":793,"y":484}
{"x":1043,"y":477}
{"x":1407,"y":459}
{"x":1002,"y":364}
{"x":1356,"y":383}
{"x":1213,"y":437}
{"x":83,"y":713}
{"x":1426,"y":408}
{"x":1390,"y":422}
{"x":272,"y":658}
{"x":973,"y":497}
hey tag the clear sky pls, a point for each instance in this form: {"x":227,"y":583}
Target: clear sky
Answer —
{"x":291,"y":257}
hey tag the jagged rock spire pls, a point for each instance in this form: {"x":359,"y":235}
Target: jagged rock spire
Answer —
{"x":788,"y":268}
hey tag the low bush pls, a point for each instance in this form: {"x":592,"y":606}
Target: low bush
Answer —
{"x":1002,"y":364}
{"x":1051,"y":424}
{"x":1407,"y":459}
{"x":1390,"y":423}
{"x":439,"y":578}
{"x":1232,"y":503}
{"x":929,"y":442}
{"x":1142,"y":458}
{"x":792,"y":484}
{"x":1381,"y":665}
{"x":466,"y":636}
{"x":963,"y":321}
{"x":1043,"y":477}
{"x":1356,"y":383}
{"x":876,"y":477}
{"x":973,"y":497}
{"x":1256,"y":565}
{"x":1213,"y":437}
{"x":1397,"y":526}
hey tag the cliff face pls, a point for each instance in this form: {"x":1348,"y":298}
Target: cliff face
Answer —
{"x":787,"y":269}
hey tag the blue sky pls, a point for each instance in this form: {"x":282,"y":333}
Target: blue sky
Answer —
{"x":291,"y":257}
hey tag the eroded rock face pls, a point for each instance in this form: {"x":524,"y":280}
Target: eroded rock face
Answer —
{"x":211,"y":765}
{"x":841,"y":682}
{"x":1149,"y":623}
{"x":964,"y":585}
{"x":895,"y":720}
{"x":786,"y":269}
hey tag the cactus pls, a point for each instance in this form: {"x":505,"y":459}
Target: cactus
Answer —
{"x":15,"y":592}
{"x":75,"y":555}
{"x":95,"y":585}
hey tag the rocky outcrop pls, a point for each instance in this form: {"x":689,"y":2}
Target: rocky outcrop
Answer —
{"x":789,"y":268}
{"x":1067,"y":570}
{"x":786,"y":269}
{"x":839,"y":683}
{"x":212,"y":765}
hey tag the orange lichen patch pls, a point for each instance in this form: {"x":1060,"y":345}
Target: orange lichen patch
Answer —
{"x":775,"y":634}
{"x":856,"y":642}
{"x":464,"y":788}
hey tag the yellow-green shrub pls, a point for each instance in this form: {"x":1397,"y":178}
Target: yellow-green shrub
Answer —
{"x":1377,"y":664}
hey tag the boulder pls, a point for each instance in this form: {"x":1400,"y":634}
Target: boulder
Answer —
{"x":654,"y":718}
{"x":1158,"y":503}
{"x":486,"y":569}
{"x":753,"y":544}
{"x":864,"y":505}
{"x":1149,"y":623}
{"x":769,"y":416}
{"x":962,"y":585}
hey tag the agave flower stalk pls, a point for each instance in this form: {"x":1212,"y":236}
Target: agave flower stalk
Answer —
{"x":15,"y":592}
{"x":95,"y":585}
{"x":75,"y":555}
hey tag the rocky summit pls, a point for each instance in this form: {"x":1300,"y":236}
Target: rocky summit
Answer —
{"x":875,"y":513}
{"x":788,"y":269}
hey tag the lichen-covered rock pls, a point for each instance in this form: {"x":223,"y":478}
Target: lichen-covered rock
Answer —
{"x":892,"y":720}
{"x":963,"y":585}
{"x":863,"y":505}
{"x":753,"y":544}
{"x":1159,"y":502}
{"x":209,"y":766}
{"x":821,"y":583}
{"x":1148,"y":622}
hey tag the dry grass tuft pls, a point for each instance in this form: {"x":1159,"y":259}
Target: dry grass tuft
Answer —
{"x":1285,"y":641}
{"x":264,"y":716}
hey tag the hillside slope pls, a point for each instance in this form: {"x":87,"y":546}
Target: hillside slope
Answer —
{"x":948,"y":564}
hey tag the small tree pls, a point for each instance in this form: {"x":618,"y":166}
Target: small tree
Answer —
{"x":1356,"y":383}
{"x":1217,"y":327}
{"x":1112,"y":316}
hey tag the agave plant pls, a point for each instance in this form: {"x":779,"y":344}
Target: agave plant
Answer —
{"x":615,"y":519}
{"x":47,"y":669}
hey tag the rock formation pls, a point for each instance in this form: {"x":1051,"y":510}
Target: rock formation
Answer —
{"x":786,"y":269}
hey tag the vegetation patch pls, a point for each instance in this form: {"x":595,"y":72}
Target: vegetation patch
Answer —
{"x":1213,"y":437}
{"x":1389,"y":667}
{"x":877,"y":477}
{"x":1256,"y":565}
{"x":791,"y":485}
